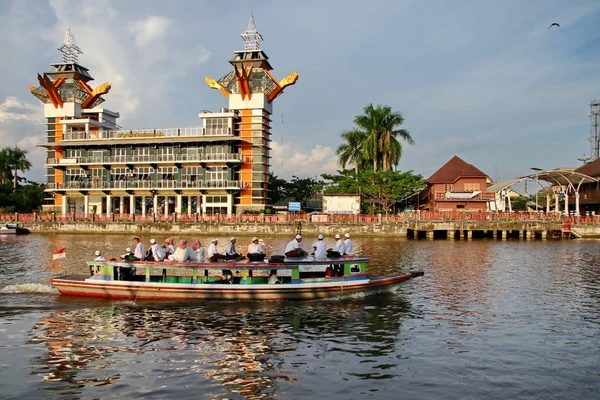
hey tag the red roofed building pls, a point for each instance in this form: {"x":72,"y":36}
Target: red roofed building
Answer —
{"x":458,"y":185}
{"x":589,"y":193}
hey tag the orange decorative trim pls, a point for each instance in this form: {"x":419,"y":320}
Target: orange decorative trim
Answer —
{"x":216,"y":85}
{"x":47,"y":84}
{"x":99,"y":91}
{"x":285,"y":82}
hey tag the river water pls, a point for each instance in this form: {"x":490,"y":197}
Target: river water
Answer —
{"x":489,"y":319}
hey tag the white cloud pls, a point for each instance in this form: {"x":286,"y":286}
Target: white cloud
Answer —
{"x":149,"y":30}
{"x":14,"y":109}
{"x":286,"y":162}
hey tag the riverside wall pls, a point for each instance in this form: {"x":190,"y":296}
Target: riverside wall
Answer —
{"x":384,"y":229}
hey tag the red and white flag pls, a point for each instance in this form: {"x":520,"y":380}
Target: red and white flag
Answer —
{"x":60,"y":253}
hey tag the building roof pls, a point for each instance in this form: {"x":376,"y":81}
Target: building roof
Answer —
{"x":454,"y":169}
{"x":590,"y":169}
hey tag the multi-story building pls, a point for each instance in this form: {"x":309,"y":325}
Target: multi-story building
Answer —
{"x":221,"y":165}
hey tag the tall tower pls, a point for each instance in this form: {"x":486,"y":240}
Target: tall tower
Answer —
{"x":71,"y":112}
{"x":251,"y":89}
{"x":594,"y":135}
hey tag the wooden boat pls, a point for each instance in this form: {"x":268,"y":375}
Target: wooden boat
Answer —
{"x":299,"y":279}
{"x":13,"y":229}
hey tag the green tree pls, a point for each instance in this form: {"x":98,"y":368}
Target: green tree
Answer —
{"x":302,"y":189}
{"x":13,"y":160}
{"x":352,"y":152}
{"x":276,"y":188}
{"x":380,"y":128}
{"x":379,"y":190}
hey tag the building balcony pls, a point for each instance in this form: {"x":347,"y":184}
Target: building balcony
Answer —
{"x":465,"y":196}
{"x":146,"y":185}
{"x":72,"y":134}
{"x":142,"y":159}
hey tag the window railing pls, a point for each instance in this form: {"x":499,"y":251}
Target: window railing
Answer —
{"x":146,"y":158}
{"x":151,"y":133}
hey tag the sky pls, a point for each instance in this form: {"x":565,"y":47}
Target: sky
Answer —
{"x":485,"y":81}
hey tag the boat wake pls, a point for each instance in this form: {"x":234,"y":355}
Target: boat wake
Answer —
{"x":28,"y":288}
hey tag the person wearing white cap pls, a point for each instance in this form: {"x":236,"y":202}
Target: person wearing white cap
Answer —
{"x":293,"y":248}
{"x":338,"y":249}
{"x":127,"y":254}
{"x":320,"y":248}
{"x":255,"y":250}
{"x":158,"y":253}
{"x":230,"y":250}
{"x":347,"y":244}
{"x":99,"y":256}
{"x":213,"y":253}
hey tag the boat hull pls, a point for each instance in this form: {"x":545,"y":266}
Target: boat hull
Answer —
{"x":74,"y":286}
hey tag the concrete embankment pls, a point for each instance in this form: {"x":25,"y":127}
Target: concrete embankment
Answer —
{"x":529,"y":229}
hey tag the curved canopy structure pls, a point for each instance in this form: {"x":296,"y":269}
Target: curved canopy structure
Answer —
{"x":564,"y":181}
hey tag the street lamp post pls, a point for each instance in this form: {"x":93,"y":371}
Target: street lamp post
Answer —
{"x":537,"y":173}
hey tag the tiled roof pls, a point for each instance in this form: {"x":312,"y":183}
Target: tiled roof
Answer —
{"x":591,"y":169}
{"x":453,"y":170}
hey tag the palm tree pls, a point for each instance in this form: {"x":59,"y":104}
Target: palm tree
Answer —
{"x":16,"y":160}
{"x":5,"y":173}
{"x":381,"y":146}
{"x":351,"y":152}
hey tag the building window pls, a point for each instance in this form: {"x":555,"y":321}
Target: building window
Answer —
{"x":167,"y":154}
{"x":217,"y":126}
{"x":471,"y":187}
{"x":216,"y":174}
{"x":447,"y":187}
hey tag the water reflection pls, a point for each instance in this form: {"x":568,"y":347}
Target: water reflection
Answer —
{"x":250,"y":349}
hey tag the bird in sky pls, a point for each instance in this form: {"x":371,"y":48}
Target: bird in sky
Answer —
{"x":554,"y":24}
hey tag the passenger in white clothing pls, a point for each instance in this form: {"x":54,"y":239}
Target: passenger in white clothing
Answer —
{"x":320,"y":247}
{"x":230,"y":250}
{"x":338,"y":249}
{"x":158,"y":253}
{"x":198,"y":252}
{"x":213,"y":253}
{"x":140,"y":252}
{"x":293,"y":248}
{"x":273,"y":277}
{"x":347,"y":244}
{"x":170,"y":249}
{"x":255,"y":251}
{"x":99,"y":256}
{"x":182,"y":252}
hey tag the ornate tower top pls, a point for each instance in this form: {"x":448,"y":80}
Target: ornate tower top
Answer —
{"x":69,"y":49}
{"x":251,"y":36}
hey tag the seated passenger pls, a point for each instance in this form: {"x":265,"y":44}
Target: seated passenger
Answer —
{"x":197,"y":252}
{"x":320,"y":248}
{"x":128,"y":256}
{"x":156,"y":252}
{"x":99,"y":256}
{"x":293,"y":248}
{"x":255,"y":251}
{"x":273,"y":277}
{"x":182,"y":252}
{"x":231,"y":252}
{"x":213,"y":254}
{"x":338,"y":249}
{"x":170,"y":249}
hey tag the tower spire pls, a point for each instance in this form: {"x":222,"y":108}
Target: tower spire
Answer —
{"x":70,"y":51}
{"x":251,"y":36}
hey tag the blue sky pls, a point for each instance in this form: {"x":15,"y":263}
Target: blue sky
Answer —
{"x":486,"y":81}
